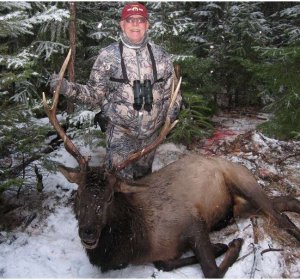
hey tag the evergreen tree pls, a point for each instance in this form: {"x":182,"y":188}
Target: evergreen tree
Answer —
{"x":280,"y":72}
{"x":168,"y":22}
{"x":24,"y":28}
{"x":29,"y":35}
{"x":97,"y":27}
{"x":226,"y":34}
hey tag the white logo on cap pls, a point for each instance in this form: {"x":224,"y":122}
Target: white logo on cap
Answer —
{"x":135,"y":9}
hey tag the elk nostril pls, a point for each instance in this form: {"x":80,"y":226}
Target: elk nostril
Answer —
{"x":87,"y":233}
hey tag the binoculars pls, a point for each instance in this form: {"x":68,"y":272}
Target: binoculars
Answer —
{"x":142,"y":95}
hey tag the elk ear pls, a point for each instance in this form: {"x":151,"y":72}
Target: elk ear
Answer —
{"x":71,"y":174}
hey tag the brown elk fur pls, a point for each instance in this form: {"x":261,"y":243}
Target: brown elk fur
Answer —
{"x":175,"y":211}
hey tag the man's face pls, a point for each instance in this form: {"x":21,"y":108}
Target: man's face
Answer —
{"x":135,"y":28}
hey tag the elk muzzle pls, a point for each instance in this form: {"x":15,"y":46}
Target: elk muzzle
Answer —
{"x":89,"y":237}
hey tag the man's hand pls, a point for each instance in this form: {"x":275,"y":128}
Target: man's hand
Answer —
{"x":53,"y":81}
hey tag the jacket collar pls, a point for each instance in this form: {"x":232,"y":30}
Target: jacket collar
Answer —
{"x":131,"y":45}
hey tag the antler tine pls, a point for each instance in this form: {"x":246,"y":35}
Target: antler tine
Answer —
{"x":167,"y":127}
{"x":174,"y":94}
{"x":61,"y":76}
{"x":51,"y":113}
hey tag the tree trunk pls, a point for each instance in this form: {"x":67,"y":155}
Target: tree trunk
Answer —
{"x":72,"y":38}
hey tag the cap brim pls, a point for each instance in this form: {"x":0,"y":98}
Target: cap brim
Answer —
{"x":135,"y":14}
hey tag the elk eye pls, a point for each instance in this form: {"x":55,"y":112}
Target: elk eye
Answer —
{"x":110,"y":198}
{"x":98,"y":210}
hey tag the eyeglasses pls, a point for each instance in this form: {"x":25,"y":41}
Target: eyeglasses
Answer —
{"x":135,"y":20}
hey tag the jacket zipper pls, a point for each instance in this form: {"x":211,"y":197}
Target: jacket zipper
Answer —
{"x":140,"y":113}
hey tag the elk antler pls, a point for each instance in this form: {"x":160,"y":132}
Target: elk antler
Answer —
{"x":163,"y":133}
{"x":51,"y":113}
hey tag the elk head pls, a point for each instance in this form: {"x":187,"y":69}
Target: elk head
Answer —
{"x":96,"y":186}
{"x":92,"y":201}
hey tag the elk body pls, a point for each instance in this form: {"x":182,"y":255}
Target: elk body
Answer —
{"x":172,"y":211}
{"x":161,"y":216}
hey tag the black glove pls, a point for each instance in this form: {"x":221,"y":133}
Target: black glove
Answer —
{"x":101,"y":120}
{"x":53,"y":81}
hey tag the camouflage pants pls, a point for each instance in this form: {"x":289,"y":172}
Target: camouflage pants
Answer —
{"x":119,"y":145}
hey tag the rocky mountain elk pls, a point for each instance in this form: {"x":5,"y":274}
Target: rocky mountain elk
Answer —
{"x":162,"y":215}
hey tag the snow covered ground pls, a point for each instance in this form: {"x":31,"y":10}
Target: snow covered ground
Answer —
{"x":50,"y":247}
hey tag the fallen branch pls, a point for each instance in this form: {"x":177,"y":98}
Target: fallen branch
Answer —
{"x":253,"y":268}
{"x":271,"y":250}
{"x":29,"y":220}
{"x":285,"y":158}
{"x":14,"y":171}
{"x":255,"y":229}
{"x":245,"y":256}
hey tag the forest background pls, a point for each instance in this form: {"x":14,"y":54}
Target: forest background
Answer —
{"x":232,"y":55}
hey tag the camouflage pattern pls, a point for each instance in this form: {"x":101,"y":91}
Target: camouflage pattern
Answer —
{"x":128,"y":129}
{"x":120,"y":144}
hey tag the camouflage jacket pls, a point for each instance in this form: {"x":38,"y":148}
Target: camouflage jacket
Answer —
{"x":104,"y":89}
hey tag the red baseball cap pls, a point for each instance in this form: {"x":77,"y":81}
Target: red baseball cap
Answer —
{"x":134,"y":9}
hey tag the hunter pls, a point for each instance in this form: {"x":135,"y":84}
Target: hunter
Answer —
{"x":131,"y":82}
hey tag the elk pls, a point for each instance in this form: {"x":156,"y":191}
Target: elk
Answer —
{"x":157,"y":218}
